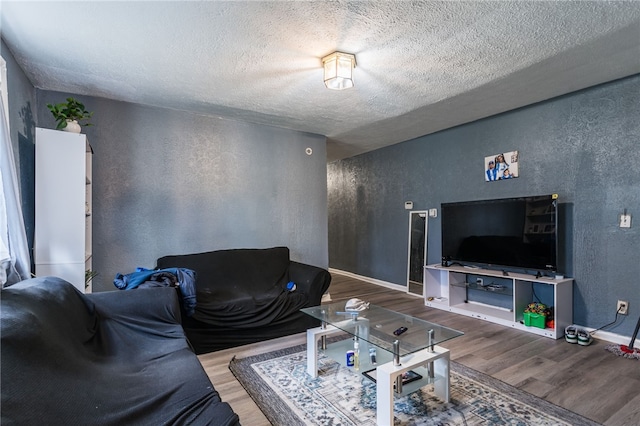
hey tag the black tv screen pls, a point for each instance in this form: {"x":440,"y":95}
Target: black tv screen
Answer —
{"x":516,"y":233}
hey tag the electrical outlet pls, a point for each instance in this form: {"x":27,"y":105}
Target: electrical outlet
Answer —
{"x":623,"y":306}
{"x":625,"y":221}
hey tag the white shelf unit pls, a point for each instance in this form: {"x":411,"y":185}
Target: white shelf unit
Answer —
{"x":63,"y":222}
{"x":448,"y":286}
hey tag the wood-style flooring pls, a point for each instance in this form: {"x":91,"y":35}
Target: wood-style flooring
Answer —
{"x":584,"y":379}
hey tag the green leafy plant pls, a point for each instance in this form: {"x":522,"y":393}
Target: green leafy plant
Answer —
{"x":88,"y":276}
{"x":70,"y":110}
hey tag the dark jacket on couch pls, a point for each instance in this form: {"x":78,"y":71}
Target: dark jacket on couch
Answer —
{"x":113,"y":358}
{"x":242,"y":296}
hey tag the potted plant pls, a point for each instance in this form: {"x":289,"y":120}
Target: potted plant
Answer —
{"x":68,"y":114}
{"x":88,"y":276}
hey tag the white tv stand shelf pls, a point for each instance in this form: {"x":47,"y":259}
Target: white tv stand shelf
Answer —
{"x":448,"y":287}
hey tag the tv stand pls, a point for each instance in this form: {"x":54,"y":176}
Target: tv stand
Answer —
{"x":447,"y":287}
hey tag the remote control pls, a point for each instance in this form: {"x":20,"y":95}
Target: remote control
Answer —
{"x":400,"y":331}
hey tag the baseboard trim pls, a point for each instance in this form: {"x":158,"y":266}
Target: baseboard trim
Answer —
{"x":369,"y":280}
{"x":609,"y":337}
{"x":599,"y":335}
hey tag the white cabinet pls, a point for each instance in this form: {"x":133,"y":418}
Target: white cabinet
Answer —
{"x":493,"y":296}
{"x":62,"y":245}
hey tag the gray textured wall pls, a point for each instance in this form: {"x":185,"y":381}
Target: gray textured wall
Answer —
{"x":170,"y":182}
{"x":584,"y":146}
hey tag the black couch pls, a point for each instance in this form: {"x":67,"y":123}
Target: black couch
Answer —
{"x":113,"y":358}
{"x":242,"y":296}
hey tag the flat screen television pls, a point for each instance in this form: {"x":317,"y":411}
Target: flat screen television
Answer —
{"x":519,"y":233}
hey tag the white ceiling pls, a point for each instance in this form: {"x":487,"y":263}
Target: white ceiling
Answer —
{"x":423,"y":66}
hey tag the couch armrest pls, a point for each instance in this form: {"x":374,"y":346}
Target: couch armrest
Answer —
{"x":159,"y":304}
{"x":309,"y":279}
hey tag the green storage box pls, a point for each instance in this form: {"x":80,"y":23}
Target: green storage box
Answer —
{"x":534,"y":320}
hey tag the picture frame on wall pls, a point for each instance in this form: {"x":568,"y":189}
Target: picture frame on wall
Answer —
{"x":501,"y":166}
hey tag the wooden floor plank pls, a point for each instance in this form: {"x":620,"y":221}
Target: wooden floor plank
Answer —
{"x":584,"y":379}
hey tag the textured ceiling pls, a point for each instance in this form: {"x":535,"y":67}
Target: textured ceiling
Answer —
{"x":422,"y":66}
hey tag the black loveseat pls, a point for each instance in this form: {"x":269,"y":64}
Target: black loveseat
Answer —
{"x":242,"y":296}
{"x":110,"y":358}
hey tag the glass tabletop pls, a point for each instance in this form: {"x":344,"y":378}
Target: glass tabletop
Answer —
{"x":377,"y":325}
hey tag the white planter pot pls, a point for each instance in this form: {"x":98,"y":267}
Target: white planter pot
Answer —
{"x":72,"y":126}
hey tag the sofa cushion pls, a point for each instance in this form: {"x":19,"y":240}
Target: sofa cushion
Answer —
{"x":52,"y":318}
{"x":236,"y":271}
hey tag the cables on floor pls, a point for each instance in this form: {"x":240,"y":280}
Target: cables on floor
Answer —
{"x":607,"y":325}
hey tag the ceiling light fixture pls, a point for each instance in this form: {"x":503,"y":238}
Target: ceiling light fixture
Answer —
{"x":338,"y":70}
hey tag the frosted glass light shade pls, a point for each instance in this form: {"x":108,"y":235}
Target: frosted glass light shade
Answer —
{"x":338,"y":70}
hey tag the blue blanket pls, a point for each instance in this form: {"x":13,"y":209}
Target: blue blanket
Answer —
{"x":185,"y":278}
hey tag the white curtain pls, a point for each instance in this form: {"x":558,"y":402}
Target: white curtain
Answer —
{"x":14,"y":250}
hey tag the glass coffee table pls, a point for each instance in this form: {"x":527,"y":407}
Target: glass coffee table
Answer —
{"x":400,"y":362}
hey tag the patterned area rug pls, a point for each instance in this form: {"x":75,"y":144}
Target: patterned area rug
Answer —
{"x":279,"y":384}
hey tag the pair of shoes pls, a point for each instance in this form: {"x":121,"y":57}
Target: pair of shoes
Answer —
{"x":573,"y":334}
{"x":584,"y":338}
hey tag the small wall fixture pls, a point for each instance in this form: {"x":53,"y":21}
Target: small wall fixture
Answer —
{"x":338,"y":70}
